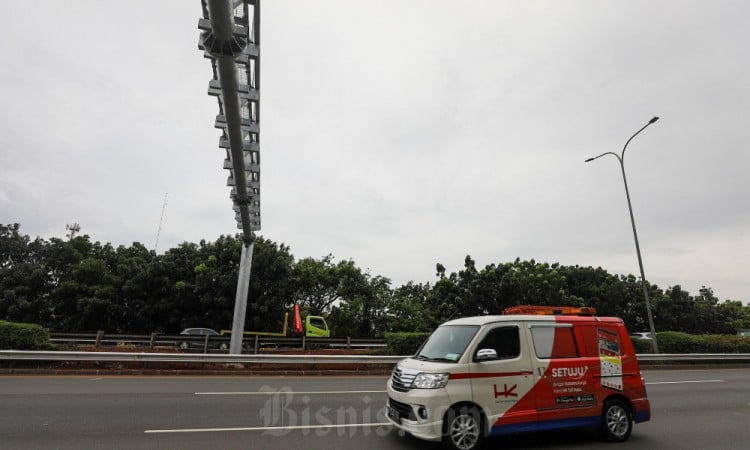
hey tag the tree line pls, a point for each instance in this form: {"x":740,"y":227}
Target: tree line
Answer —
{"x":77,"y":285}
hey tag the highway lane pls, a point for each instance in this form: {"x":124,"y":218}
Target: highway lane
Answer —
{"x":692,"y":409}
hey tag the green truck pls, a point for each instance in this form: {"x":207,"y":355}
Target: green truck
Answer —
{"x":314,"y":326}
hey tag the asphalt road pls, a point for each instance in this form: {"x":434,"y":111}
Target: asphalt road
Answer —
{"x":698,"y":409}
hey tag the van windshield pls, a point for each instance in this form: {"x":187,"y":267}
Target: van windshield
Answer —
{"x":447,"y":343}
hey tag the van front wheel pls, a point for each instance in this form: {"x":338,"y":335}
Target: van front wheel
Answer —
{"x":617,"y":424}
{"x":462,"y":428}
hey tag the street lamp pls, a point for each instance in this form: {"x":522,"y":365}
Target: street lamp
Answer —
{"x":621,"y":158}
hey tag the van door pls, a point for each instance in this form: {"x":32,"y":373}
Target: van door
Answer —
{"x":502,"y":379}
{"x":566,"y":388}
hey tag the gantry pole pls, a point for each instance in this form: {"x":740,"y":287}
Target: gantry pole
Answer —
{"x":230,"y":38}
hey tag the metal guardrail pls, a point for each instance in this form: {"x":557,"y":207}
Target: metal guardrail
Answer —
{"x":255,"y":342}
{"x":15,"y":355}
{"x":693,"y":357}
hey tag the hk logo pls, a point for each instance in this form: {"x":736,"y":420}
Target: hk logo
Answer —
{"x":506,"y":392}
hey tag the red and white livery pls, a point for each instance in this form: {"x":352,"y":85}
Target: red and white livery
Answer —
{"x":543,"y":369}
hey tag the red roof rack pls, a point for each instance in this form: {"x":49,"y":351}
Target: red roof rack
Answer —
{"x":550,"y":310}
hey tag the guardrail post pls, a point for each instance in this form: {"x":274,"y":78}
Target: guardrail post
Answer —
{"x":348,"y":342}
{"x":303,"y":342}
{"x":99,"y":337}
{"x":153,"y":340}
{"x":205,"y":344}
{"x":257,"y":344}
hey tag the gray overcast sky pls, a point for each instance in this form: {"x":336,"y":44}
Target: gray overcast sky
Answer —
{"x":397,"y":133}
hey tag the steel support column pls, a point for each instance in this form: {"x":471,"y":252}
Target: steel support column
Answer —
{"x":240,"y":301}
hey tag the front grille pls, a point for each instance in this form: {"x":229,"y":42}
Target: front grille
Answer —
{"x":402,"y":379}
{"x":404,"y":411}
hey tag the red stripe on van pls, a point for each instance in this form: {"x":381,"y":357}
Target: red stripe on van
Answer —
{"x":463,"y":376}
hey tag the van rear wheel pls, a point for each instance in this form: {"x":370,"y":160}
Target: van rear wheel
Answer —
{"x":617,"y":423}
{"x":462,"y":428}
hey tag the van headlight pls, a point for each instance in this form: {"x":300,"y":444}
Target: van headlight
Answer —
{"x":430,"y":380}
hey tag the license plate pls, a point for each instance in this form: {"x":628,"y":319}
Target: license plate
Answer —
{"x":392,"y":414}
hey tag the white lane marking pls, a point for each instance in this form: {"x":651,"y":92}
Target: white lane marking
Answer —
{"x":291,"y":428}
{"x":683,"y":382}
{"x":277,"y":392}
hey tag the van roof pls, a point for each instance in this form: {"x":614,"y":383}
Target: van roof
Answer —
{"x":483,"y":320}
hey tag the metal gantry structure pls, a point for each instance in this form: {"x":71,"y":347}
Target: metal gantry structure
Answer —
{"x":230,"y":38}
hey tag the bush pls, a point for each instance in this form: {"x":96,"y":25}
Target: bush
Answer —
{"x":678,"y":342}
{"x":674,"y":342}
{"x":641,"y":345}
{"x":23,"y":336}
{"x":404,"y":343}
{"x":718,"y":343}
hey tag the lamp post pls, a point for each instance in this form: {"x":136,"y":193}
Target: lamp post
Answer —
{"x":620,"y":159}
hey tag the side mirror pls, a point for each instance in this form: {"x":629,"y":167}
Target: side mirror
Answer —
{"x":486,"y":354}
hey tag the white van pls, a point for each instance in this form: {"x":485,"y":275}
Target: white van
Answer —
{"x":494,"y":375}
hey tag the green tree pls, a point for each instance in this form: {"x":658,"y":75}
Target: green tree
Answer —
{"x":318,"y":284}
{"x":408,"y":309}
{"x":88,"y":297}
{"x":24,"y":283}
{"x":271,"y":290}
{"x":18,"y":248}
{"x":80,"y":285}
{"x":362,"y":311}
{"x":734,"y":316}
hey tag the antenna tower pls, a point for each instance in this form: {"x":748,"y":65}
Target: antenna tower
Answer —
{"x":74,"y":228}
{"x":161,"y":219}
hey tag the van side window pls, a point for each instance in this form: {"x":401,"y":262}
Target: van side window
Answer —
{"x":609,"y":342}
{"x":504,"y":340}
{"x":554,"y":341}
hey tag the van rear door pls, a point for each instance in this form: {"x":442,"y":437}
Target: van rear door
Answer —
{"x":566,"y":388}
